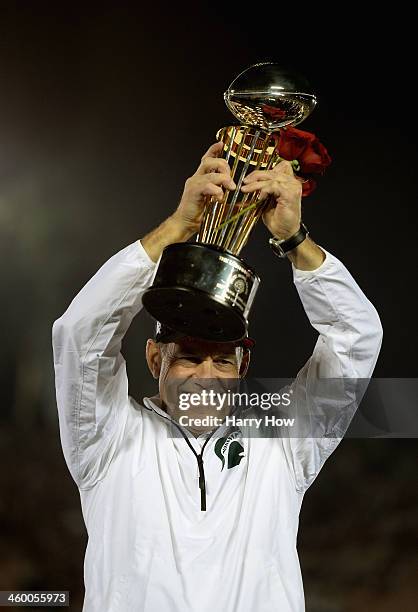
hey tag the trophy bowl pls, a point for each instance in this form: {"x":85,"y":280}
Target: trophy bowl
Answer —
{"x":203,"y":288}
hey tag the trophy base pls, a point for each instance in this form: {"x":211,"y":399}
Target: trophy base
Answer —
{"x":202,"y":291}
{"x":194,"y":313}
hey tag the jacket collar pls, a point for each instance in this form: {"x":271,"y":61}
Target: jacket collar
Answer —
{"x":155,"y":403}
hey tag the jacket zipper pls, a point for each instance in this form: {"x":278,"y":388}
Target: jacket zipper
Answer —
{"x":199,"y":457}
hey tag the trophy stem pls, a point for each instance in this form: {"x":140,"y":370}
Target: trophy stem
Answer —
{"x":250,"y":223}
{"x":236,"y":192}
{"x":201,"y":237}
{"x":228,"y":222}
{"x":234,"y":233}
{"x":212,"y":215}
{"x":219,"y":216}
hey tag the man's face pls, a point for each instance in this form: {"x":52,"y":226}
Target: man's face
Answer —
{"x":194,"y":378}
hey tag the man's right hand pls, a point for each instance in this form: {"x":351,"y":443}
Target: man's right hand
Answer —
{"x":212,"y":174}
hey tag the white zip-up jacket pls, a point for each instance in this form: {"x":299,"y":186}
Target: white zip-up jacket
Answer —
{"x":151,"y":547}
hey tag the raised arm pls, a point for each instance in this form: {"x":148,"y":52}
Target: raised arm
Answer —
{"x":90,"y":371}
{"x":327,"y":390}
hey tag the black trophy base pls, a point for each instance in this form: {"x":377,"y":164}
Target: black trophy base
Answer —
{"x":194,"y":313}
{"x":202,"y":291}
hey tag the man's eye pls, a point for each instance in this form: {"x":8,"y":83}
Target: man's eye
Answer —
{"x":225,"y":361}
{"x":188,"y":359}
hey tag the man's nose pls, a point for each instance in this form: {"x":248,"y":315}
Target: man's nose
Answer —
{"x":205,"y":369}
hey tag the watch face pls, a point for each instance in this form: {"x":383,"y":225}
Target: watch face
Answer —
{"x":289,"y":244}
{"x":277,"y":249}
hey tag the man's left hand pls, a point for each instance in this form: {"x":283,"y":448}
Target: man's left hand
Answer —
{"x":282,"y":217}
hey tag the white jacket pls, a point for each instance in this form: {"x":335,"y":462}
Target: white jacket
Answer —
{"x":150,"y":546}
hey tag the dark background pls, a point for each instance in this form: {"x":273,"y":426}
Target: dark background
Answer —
{"x":104,"y":112}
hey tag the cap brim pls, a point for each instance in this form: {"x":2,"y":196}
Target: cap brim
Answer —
{"x":167,"y":334}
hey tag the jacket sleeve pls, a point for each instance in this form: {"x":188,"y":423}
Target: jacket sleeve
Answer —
{"x":90,"y":372}
{"x":328,"y":389}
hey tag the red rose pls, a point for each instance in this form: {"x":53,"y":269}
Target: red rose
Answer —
{"x":315,"y":158}
{"x":292,"y":142}
{"x":308,"y":186}
{"x":311,"y":154}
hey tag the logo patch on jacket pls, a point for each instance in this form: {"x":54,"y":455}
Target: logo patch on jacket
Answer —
{"x":229,"y":450}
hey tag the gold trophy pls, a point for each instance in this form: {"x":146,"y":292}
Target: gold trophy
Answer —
{"x":203,"y":288}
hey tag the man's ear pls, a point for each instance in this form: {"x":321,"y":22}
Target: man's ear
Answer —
{"x":153,"y":357}
{"x":245,"y":362}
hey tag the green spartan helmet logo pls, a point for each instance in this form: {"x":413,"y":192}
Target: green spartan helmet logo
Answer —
{"x":231,"y":449}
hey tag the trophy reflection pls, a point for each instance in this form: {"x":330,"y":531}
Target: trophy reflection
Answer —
{"x":203,"y":288}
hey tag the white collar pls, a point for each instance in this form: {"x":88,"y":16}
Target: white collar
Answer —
{"x":155,"y":403}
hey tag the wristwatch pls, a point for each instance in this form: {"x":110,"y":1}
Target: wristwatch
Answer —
{"x":282,"y":246}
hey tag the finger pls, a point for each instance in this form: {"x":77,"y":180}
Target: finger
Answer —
{"x":265,"y":189}
{"x":211,"y":164}
{"x":214,"y":150}
{"x":213,"y":190}
{"x":217,"y":178}
{"x":270,"y":174}
{"x":259,"y":175}
{"x":256,"y":185}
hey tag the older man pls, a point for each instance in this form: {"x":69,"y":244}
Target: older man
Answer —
{"x":202,"y":518}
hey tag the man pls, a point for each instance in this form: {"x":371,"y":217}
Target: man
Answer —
{"x":199,"y":519}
